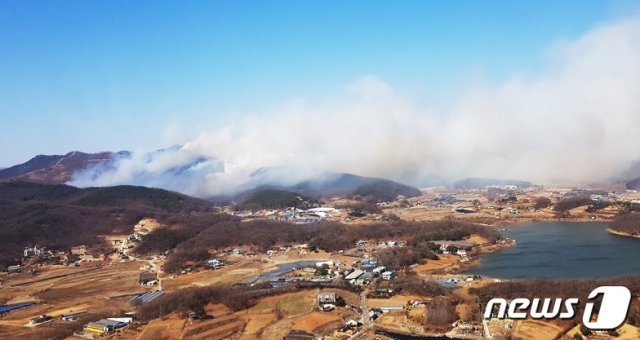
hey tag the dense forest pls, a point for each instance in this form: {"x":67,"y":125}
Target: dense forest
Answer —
{"x":61,"y":216}
{"x":573,"y":202}
{"x":191,"y":237}
{"x":270,"y":198}
{"x":350,"y":186}
{"x":627,"y":222}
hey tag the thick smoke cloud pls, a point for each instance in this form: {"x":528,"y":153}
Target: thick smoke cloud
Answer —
{"x":576,"y":121}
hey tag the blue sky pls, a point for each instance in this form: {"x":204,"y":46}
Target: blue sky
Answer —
{"x":112,"y":75}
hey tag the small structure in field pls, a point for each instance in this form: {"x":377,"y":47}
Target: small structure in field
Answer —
{"x":324,"y":298}
{"x":146,"y":277}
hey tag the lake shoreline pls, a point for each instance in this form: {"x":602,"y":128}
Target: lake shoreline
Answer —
{"x":557,"y":249}
{"x":622,"y":233}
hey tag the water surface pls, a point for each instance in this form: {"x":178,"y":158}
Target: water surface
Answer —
{"x":562,"y":250}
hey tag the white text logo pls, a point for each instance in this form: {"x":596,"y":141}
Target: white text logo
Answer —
{"x":612,"y":312}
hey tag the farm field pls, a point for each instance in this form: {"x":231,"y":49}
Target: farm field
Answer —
{"x":99,"y":289}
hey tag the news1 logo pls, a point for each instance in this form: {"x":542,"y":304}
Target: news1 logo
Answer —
{"x":611,"y":314}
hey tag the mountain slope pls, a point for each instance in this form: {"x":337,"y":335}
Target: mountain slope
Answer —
{"x":61,"y":216}
{"x":56,"y":169}
{"x":325,"y":185}
{"x":340,"y":184}
{"x":633,"y":184}
{"x":270,"y":198}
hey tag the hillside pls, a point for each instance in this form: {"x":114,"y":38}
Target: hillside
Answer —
{"x":633,"y":184}
{"x":56,"y":169}
{"x":270,"y":198}
{"x":61,"y":216}
{"x":332,"y":184}
{"x":340,"y":184}
{"x":627,"y":223}
{"x":60,"y":169}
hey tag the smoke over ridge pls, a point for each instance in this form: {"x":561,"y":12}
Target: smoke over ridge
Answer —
{"x":575,"y":121}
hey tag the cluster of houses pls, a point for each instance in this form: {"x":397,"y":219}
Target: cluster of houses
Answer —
{"x":34,"y":251}
{"x":123,"y":243}
{"x":295,"y":215}
{"x":75,"y":256}
{"x":40,"y":252}
{"x":366,"y":270}
{"x":459,"y":248}
{"x":91,"y":330}
{"x":362,"y":244}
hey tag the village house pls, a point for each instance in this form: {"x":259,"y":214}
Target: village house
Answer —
{"x":147,"y":277}
{"x":378,"y":270}
{"x":14,"y":269}
{"x":354,"y":275}
{"x":79,"y":250}
{"x":327,"y":298}
{"x":35,"y":251}
{"x":328,"y":264}
{"x":214,"y":263}
{"x":368,"y":264}
{"x":388,"y":275}
{"x":72,"y":316}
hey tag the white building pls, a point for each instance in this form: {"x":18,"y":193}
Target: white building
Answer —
{"x":354,"y":275}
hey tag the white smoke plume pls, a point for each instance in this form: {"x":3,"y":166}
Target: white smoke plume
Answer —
{"x":577,"y":121}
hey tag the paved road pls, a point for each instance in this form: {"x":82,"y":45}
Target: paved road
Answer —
{"x":364,"y":316}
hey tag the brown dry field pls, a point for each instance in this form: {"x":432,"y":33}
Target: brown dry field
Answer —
{"x":287,"y":305}
{"x":246,"y":267}
{"x":626,"y":332}
{"x":396,"y":300}
{"x":59,"y":290}
{"x":395,"y":319}
{"x":216,"y":328}
{"x":534,"y":329}
{"x":272,"y":317}
{"x":315,"y":321}
{"x":443,"y":262}
{"x":255,"y":323}
{"x":174,"y":326}
{"x":168,"y":328}
{"x":403,"y":321}
{"x":226,"y":275}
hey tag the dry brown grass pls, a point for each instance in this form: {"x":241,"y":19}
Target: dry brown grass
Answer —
{"x":61,"y":289}
{"x":396,"y":300}
{"x":534,"y":329}
{"x":316,"y":322}
{"x":444,"y":261}
{"x":170,"y":328}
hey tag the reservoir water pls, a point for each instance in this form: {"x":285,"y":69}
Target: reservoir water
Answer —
{"x":562,"y":250}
